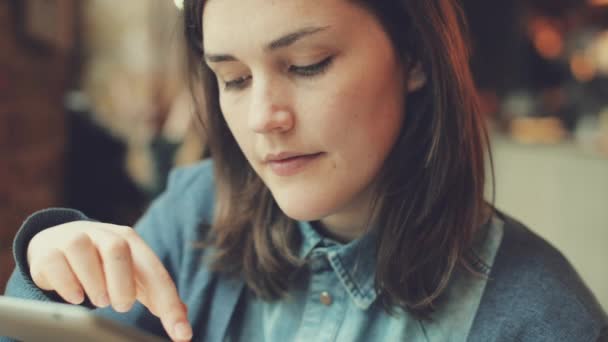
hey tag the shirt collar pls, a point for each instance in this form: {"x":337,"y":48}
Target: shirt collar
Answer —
{"x":354,"y":263}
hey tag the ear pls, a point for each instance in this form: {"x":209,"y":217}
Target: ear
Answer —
{"x":415,"y":78}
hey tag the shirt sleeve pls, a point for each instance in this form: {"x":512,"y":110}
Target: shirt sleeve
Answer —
{"x":20,"y":283}
{"x":164,"y":227}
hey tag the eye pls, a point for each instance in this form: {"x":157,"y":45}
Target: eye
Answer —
{"x":313,"y":69}
{"x":237,"y":84}
{"x":305,"y":71}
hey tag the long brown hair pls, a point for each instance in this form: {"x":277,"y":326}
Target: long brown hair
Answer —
{"x":430,"y":200}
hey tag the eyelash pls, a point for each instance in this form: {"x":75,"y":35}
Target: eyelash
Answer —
{"x":304,"y":71}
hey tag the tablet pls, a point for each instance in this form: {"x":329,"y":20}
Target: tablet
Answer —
{"x":30,"y":320}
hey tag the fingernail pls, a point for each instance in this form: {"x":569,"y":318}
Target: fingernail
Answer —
{"x":77,"y":297}
{"x":122,"y":307}
{"x":183,"y":331}
{"x":103,"y":300}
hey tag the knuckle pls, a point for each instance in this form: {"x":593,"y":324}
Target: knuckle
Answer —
{"x":53,"y":256}
{"x":77,"y":243}
{"x":164,"y":277}
{"x":39,"y":278}
{"x":39,"y":260}
{"x":128,"y":233}
{"x":123,"y":230}
{"x":116,"y":247}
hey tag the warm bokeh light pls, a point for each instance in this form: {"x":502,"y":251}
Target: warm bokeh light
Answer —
{"x":548,"y":41}
{"x":598,"y":2}
{"x":540,"y":130}
{"x":600,"y":52}
{"x":583,"y":69}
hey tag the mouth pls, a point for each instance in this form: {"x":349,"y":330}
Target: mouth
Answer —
{"x":289,"y":163}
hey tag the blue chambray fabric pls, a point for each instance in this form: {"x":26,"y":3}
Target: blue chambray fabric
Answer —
{"x":346,"y":272}
{"x":532,"y":292}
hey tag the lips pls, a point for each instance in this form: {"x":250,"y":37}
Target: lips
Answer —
{"x":282,"y":156}
{"x":290,"y":163}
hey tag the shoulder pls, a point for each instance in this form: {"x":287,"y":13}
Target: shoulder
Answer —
{"x":191,"y":191}
{"x":193,"y":180}
{"x":534,"y":293}
{"x":181,"y":214}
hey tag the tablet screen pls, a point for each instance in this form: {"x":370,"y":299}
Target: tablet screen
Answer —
{"x":30,"y":320}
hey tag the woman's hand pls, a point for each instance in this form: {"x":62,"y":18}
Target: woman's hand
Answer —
{"x":112,"y":265}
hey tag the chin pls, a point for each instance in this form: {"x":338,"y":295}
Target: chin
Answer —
{"x":304,"y":208}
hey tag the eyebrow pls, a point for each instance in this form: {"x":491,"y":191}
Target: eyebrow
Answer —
{"x":276,"y":44}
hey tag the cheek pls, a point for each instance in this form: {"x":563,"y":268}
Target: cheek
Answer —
{"x":364,"y":116}
{"x":233,"y":116}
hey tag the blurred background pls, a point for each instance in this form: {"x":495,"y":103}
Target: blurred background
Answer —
{"x":94,"y":111}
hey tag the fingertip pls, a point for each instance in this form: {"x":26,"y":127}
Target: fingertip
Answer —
{"x":123,"y":307}
{"x":103,"y":300}
{"x":177,"y":326}
{"x":76,"y":297}
{"x":182,"y":331}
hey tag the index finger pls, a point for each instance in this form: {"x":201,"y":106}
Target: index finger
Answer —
{"x":159,"y":289}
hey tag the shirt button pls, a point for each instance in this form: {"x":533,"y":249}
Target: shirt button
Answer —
{"x":326,"y":298}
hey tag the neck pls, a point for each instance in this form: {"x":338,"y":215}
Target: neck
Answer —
{"x":351,"y":222}
{"x":340,"y":235}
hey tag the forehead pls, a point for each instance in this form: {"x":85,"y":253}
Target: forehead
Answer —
{"x":253,"y":22}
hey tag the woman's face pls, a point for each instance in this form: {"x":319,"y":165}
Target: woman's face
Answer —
{"x":313,"y":93}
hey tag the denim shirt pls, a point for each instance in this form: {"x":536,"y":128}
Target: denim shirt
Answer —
{"x":334,"y":299}
{"x":532,"y":292}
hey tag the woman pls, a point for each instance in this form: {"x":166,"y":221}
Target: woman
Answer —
{"x":344,"y":201}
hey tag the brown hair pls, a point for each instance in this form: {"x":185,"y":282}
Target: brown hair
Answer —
{"x":430,"y":200}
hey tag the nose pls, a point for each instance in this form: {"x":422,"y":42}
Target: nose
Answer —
{"x":269,"y":110}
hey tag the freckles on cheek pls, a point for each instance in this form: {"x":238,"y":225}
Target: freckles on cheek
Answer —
{"x":344,"y":105}
{"x":349,"y":115}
